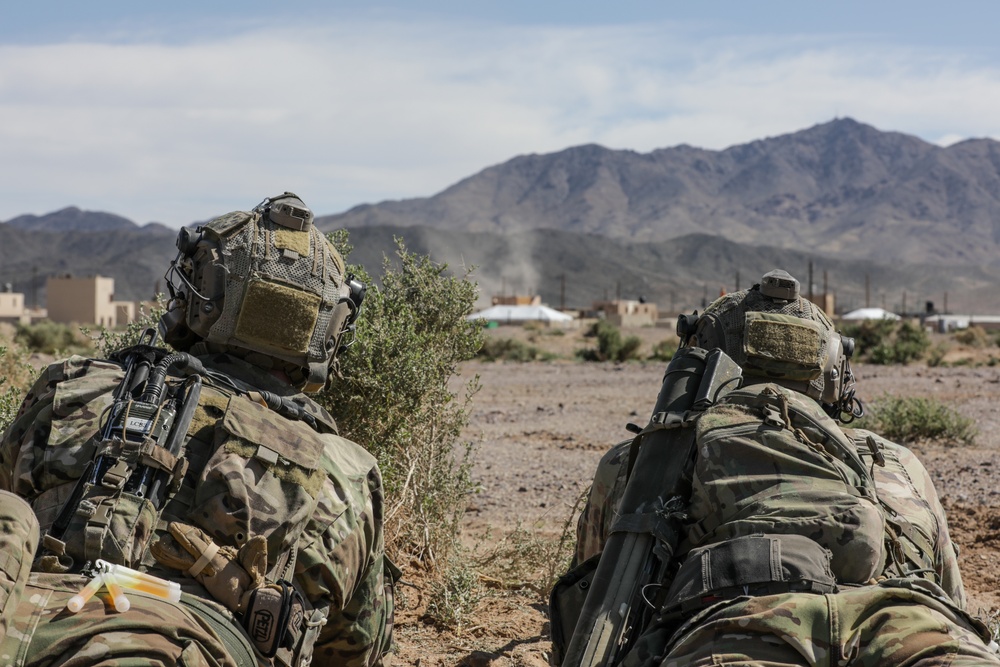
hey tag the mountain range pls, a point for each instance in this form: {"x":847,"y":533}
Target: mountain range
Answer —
{"x":841,"y":188}
{"x":882,"y":217}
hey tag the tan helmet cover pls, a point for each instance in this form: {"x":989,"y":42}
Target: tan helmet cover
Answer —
{"x":274,"y":287}
{"x":775,"y":335}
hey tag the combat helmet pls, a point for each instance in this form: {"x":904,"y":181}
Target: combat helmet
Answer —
{"x":778,"y":336}
{"x":264,"y":285}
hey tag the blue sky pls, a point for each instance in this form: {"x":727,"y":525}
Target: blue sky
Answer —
{"x":177,"y":112}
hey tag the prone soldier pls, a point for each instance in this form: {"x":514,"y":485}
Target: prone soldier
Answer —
{"x":744,"y":525}
{"x":194,"y":506}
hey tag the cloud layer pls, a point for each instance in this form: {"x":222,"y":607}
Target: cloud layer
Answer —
{"x":361,"y":111}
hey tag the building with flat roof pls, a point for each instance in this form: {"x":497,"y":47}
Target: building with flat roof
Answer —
{"x":12,"y":308}
{"x":627,"y":312}
{"x":88,"y":300}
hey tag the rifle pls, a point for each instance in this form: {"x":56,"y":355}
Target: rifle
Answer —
{"x":638,"y":553}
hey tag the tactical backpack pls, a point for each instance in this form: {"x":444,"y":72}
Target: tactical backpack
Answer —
{"x":781,"y":499}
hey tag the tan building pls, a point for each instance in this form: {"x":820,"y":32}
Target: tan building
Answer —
{"x":87,"y":300}
{"x":12,"y":308}
{"x":628,"y":313}
{"x":517,"y":300}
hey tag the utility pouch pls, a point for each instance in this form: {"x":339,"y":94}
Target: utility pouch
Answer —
{"x":275,"y":618}
{"x":110,"y":522}
{"x":754,"y":565}
{"x":565,"y":603}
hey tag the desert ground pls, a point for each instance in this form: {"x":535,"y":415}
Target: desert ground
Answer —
{"x":541,"y":427}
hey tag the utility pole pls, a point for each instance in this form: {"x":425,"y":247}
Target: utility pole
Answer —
{"x":868,"y":291}
{"x":737,"y":280}
{"x":810,"y":280}
{"x":562,"y":291}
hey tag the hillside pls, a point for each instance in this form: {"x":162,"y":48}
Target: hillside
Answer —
{"x":841,"y":188}
{"x":675,"y":226}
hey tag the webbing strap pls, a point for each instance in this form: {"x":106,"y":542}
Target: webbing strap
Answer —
{"x":231,"y":635}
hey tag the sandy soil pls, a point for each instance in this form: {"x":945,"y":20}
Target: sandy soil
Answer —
{"x":543,"y":426}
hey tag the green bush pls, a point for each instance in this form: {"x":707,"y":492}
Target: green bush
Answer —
{"x":15,"y":376}
{"x":392,"y":396}
{"x":108,"y":341}
{"x":509,"y":349}
{"x":911,"y":419}
{"x":889,"y":341}
{"x":610,"y":345}
{"x":664,"y":350}
{"x":50,"y":338}
{"x":454,"y":596}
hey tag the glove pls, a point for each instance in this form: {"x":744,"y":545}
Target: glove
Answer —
{"x":229,"y":575}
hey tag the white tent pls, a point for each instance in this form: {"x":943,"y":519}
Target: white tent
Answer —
{"x":862,"y":314}
{"x":513,"y":314}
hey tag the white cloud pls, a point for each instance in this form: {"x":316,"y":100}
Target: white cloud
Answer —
{"x":355,"y":112}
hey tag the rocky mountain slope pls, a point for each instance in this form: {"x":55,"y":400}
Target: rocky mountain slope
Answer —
{"x":884,"y":218}
{"x":841,"y":188}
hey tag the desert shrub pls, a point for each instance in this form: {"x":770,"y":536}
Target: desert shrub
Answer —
{"x":391,"y":395}
{"x":509,"y":349}
{"x":869,"y":334}
{"x":935,"y":356}
{"x":108,"y":341}
{"x":889,"y":341}
{"x":664,"y":350}
{"x":974,"y":336}
{"x":455,"y":594}
{"x":50,"y":337}
{"x":15,"y":377}
{"x":910,"y":419}
{"x":610,"y":344}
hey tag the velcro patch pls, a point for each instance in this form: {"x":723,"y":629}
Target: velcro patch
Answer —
{"x":783,"y":346}
{"x":291,"y":239}
{"x":277,"y":317}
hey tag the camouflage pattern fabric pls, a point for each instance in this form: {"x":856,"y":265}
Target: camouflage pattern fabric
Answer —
{"x":917,"y":620}
{"x":315,"y":497}
{"x":18,"y":541}
{"x":153,"y":632}
{"x":605,"y":493}
{"x":894,"y":623}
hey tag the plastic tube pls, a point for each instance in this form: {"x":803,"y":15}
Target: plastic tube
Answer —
{"x":140,"y":581}
{"x":118,"y":599}
{"x":76,"y":602}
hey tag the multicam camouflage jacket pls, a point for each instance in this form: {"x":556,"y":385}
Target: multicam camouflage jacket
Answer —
{"x":313,"y":497}
{"x":738,"y":480}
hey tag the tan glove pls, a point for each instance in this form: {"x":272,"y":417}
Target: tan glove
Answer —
{"x":228,"y":575}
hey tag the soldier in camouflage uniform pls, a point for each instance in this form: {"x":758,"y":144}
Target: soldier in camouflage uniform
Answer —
{"x":270,"y":522}
{"x":781,"y":562}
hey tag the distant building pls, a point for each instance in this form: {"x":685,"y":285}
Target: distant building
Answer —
{"x":862,"y":314}
{"x":87,"y":300}
{"x":946,"y":323}
{"x":12,"y":308}
{"x":627,"y":313}
{"x":515,"y":314}
{"x":517,"y":300}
